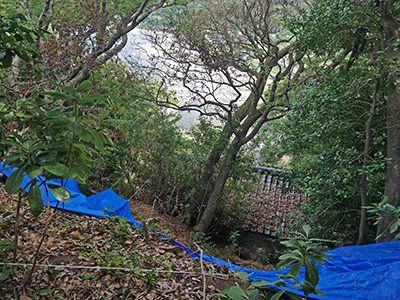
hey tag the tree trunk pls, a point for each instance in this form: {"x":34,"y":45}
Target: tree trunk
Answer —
{"x":367,"y":148}
{"x":205,"y":184}
{"x":251,"y":115}
{"x":392,"y":190}
{"x":216,"y":194}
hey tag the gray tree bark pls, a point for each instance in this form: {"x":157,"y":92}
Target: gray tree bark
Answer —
{"x":392,"y":186}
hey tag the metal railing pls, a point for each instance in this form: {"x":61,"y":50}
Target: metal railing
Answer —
{"x":273,"y":203}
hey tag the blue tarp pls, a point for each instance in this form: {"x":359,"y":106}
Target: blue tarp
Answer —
{"x":104,"y":204}
{"x":356,"y":272}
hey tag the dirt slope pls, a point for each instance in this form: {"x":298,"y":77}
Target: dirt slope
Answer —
{"x":153,"y":269}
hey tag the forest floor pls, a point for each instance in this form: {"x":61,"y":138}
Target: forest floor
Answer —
{"x":120,"y":262}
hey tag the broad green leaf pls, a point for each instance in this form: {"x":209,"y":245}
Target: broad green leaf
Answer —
{"x":319,"y":260}
{"x":261,"y":283}
{"x":21,"y":102}
{"x":35,"y":200}
{"x":56,"y":168}
{"x":321,"y":255}
{"x":242,"y":276}
{"x":92,"y":99}
{"x":69,"y":89}
{"x":307,"y":230}
{"x":289,"y":243}
{"x":307,"y":287}
{"x":33,"y":172}
{"x":285,"y":263}
{"x":254,"y":294}
{"x":86,"y":85}
{"x":60,"y":192}
{"x":278,"y":295}
{"x":319,"y":292}
{"x":80,"y":174}
{"x":104,"y":114}
{"x":28,"y":37}
{"x":394,"y":227}
{"x":9,"y":143}
{"x":76,"y":128}
{"x":115,"y":98}
{"x":86,"y":100}
{"x":294,"y":296}
{"x":14,"y":181}
{"x":8,"y":117}
{"x":82,"y":157}
{"x":17,"y":16}
{"x":236,"y":293}
{"x":4,"y":275}
{"x":23,"y":55}
{"x":294,"y":270}
{"x":57,"y":95}
{"x":98,"y":142}
{"x":312,"y":275}
{"x":28,"y":143}
{"x":16,"y":157}
{"x":382,"y":231}
{"x":7,"y":59}
{"x":289,"y":255}
{"x":85,"y":135}
{"x":86,"y":121}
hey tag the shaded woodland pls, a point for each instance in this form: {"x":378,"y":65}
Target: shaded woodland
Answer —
{"x":309,"y":88}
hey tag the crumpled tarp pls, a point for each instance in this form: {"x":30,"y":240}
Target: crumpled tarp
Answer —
{"x":104,"y":204}
{"x":356,"y":272}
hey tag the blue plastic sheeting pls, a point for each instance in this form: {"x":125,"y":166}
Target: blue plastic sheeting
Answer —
{"x":104,"y":204}
{"x":356,"y":272}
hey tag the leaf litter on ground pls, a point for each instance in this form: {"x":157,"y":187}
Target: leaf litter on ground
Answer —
{"x":155,"y":270}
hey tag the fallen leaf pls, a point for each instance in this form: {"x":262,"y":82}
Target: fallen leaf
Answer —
{"x":24,"y":297}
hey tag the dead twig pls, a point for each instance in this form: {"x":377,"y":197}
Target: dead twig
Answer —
{"x":202,"y":271}
{"x":146,"y":232}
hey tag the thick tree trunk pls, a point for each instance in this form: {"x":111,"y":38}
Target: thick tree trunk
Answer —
{"x":392,"y":187}
{"x":250,"y":115}
{"x":216,"y":194}
{"x":205,"y":184}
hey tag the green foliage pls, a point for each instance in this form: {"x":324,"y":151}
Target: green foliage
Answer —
{"x":16,"y":40}
{"x":59,"y":142}
{"x":302,"y":252}
{"x":48,"y":133}
{"x":329,"y":25}
{"x":151,"y":157}
{"x":379,"y":210}
{"x":324,"y":136}
{"x":122,"y":230}
{"x":326,"y":132}
{"x":147,"y":143}
{"x":202,"y":239}
{"x":252,"y":292}
{"x":5,"y":246}
{"x":8,"y":7}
